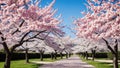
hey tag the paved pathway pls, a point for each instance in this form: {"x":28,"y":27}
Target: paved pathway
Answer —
{"x":73,"y":62}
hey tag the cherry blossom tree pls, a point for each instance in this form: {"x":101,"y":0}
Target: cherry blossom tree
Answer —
{"x":26,"y":47}
{"x":94,"y":47}
{"x":101,"y":22}
{"x":40,"y":46}
{"x":33,"y":45}
{"x":50,"y":41}
{"x":58,"y":40}
{"x":21,"y":21}
{"x":66,"y":44}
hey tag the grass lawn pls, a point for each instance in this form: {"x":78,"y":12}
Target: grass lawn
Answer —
{"x":99,"y":64}
{"x":22,"y":64}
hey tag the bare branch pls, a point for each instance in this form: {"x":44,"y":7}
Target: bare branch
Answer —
{"x":17,"y":30}
{"x":33,"y":36}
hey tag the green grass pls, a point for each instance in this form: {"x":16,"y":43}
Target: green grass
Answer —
{"x":23,"y":64}
{"x":99,"y":64}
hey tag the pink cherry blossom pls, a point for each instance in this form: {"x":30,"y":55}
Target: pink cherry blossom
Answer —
{"x":103,"y":22}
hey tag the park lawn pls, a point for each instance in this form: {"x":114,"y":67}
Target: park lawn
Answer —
{"x":23,"y":64}
{"x":99,"y":64}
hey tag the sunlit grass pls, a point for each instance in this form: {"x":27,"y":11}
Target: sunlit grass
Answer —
{"x":99,"y":64}
{"x":23,"y":64}
{"x":20,"y":64}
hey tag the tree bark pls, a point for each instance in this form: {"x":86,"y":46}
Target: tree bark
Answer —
{"x":26,"y":56}
{"x":7,"y":60}
{"x":55,"y":55}
{"x":52,"y":56}
{"x":93,"y":55}
{"x":66,"y":55}
{"x":41,"y":56}
{"x":114,"y":52}
{"x":69,"y":55}
{"x":61,"y":55}
{"x":8,"y":54}
{"x":86,"y":55}
{"x":115,"y":57}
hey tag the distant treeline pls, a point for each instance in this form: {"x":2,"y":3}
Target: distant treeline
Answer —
{"x":18,"y":56}
{"x":103,"y":55}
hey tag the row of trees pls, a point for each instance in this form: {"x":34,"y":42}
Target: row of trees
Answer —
{"x":50,"y":44}
{"x":21,"y":21}
{"x":101,"y":22}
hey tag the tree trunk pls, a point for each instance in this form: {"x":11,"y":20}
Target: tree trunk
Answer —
{"x":86,"y":55}
{"x":69,"y":55}
{"x":66,"y":55}
{"x":61,"y":55}
{"x":115,"y":61}
{"x":7,"y":60}
{"x":26,"y":56}
{"x":41,"y":56}
{"x":93,"y":55}
{"x":114,"y":52}
{"x":55,"y":55}
{"x":8,"y":54}
{"x":115,"y":57}
{"x":52,"y":56}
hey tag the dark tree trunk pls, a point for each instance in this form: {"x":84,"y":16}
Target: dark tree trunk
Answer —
{"x":80,"y":54}
{"x":66,"y":55}
{"x":8,"y":60}
{"x":93,"y":55}
{"x":52,"y":56}
{"x":61,"y":55}
{"x":114,"y":52}
{"x":86,"y":55}
{"x":69,"y":55}
{"x":26,"y":56}
{"x":8,"y":54}
{"x":115,"y":57}
{"x":41,"y":56}
{"x":55,"y":55}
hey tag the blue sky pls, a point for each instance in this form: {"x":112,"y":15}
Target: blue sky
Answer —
{"x":69,"y":9}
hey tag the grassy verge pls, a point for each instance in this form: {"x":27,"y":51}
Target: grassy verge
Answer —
{"x":98,"y":64}
{"x":22,"y":64}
